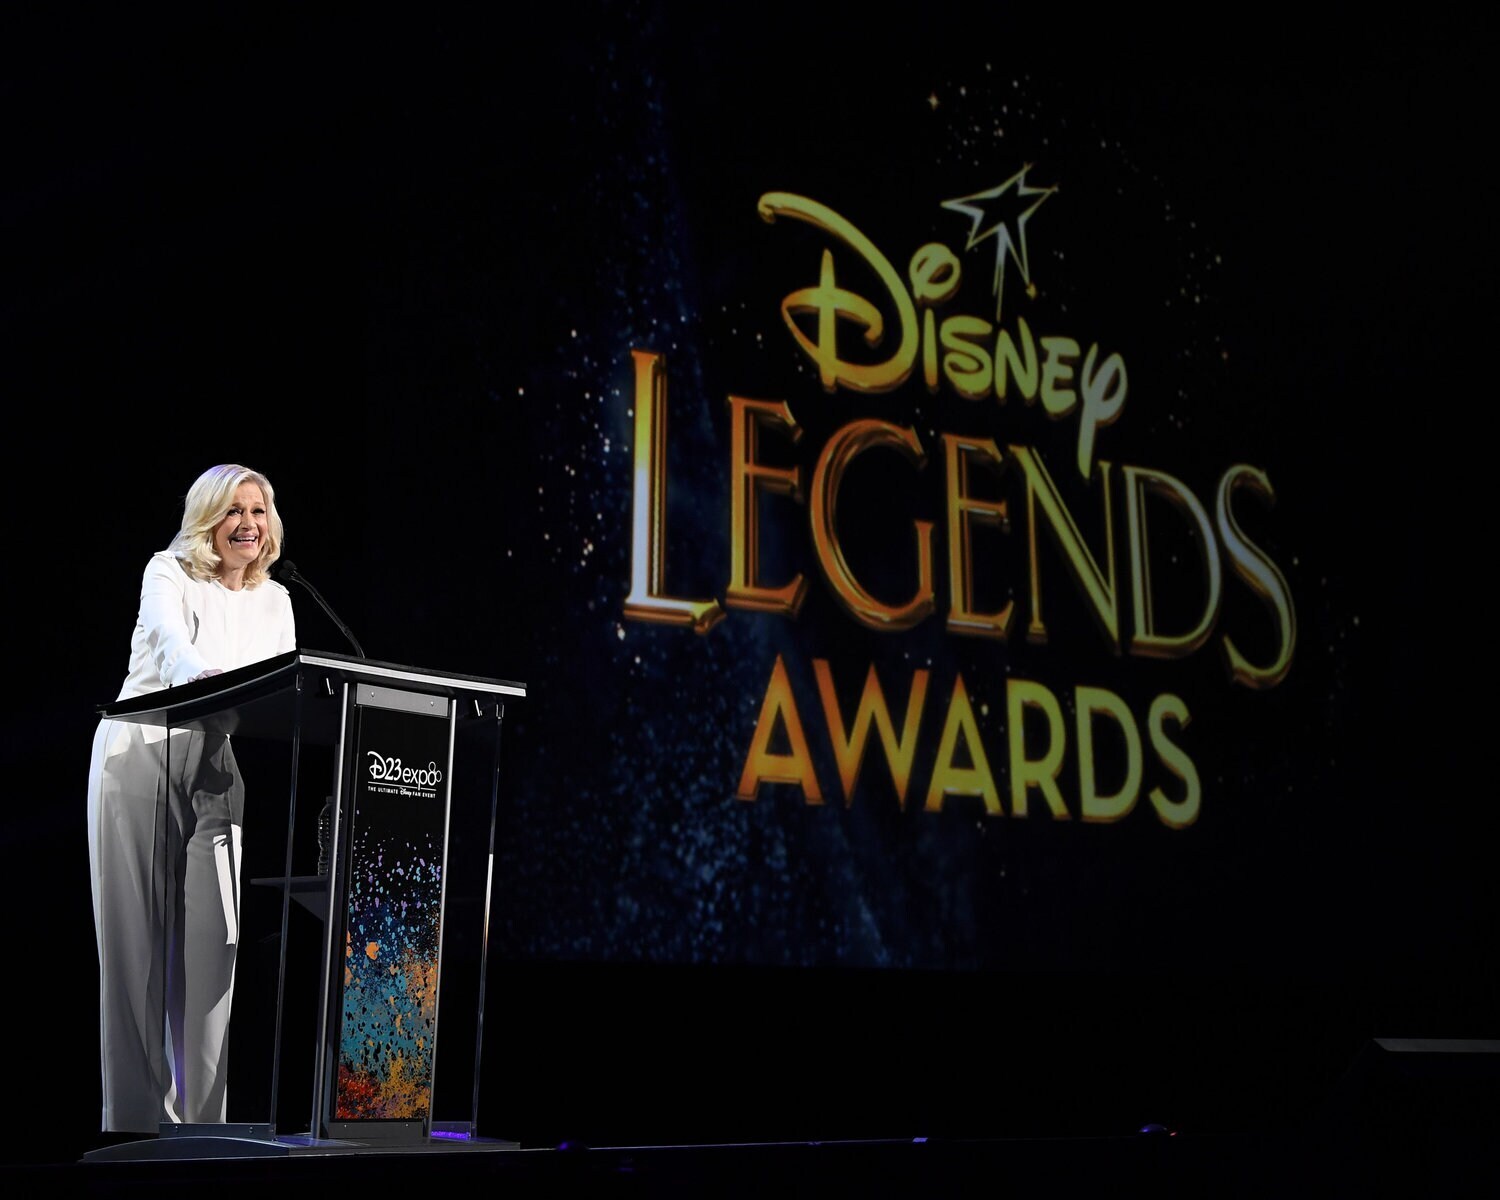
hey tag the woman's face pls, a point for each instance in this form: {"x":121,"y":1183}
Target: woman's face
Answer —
{"x":241,"y":533}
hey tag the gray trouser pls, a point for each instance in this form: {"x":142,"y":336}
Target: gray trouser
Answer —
{"x":164,"y":846}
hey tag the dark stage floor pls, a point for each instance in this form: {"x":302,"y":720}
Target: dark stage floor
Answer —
{"x":1426,"y":1160}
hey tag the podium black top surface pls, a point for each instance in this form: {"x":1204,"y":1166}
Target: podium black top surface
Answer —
{"x":262,"y":699}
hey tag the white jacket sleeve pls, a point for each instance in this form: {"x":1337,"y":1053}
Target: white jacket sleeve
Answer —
{"x":167,"y":619}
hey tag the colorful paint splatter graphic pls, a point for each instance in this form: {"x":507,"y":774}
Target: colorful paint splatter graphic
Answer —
{"x":390,"y":976}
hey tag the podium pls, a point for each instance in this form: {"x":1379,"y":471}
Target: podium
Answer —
{"x":380,"y":890}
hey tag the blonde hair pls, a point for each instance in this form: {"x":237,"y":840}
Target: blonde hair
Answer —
{"x":207,"y":503}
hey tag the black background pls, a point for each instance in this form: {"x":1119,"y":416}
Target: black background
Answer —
{"x":393,"y":260}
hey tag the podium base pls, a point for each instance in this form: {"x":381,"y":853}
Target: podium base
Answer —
{"x":231,"y":1141}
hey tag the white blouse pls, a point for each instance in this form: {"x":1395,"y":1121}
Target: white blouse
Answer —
{"x":186,"y":626}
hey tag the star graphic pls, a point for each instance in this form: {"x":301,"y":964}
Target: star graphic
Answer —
{"x":1002,"y":213}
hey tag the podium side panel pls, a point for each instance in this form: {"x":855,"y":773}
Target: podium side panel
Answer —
{"x":385,"y":1040}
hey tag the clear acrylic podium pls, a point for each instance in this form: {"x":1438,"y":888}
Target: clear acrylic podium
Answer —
{"x":408,"y":744}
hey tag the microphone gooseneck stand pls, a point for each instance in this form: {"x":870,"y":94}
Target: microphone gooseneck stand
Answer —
{"x":287,"y":570}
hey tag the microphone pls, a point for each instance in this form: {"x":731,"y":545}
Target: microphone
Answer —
{"x":285,"y":571}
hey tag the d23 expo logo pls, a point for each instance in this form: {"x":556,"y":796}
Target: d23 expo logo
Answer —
{"x":389,"y":775}
{"x":919,"y":333}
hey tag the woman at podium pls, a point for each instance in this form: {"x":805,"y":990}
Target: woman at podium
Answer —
{"x":164,"y":814}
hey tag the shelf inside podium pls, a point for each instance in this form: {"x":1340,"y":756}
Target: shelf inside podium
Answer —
{"x":310,"y":891}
